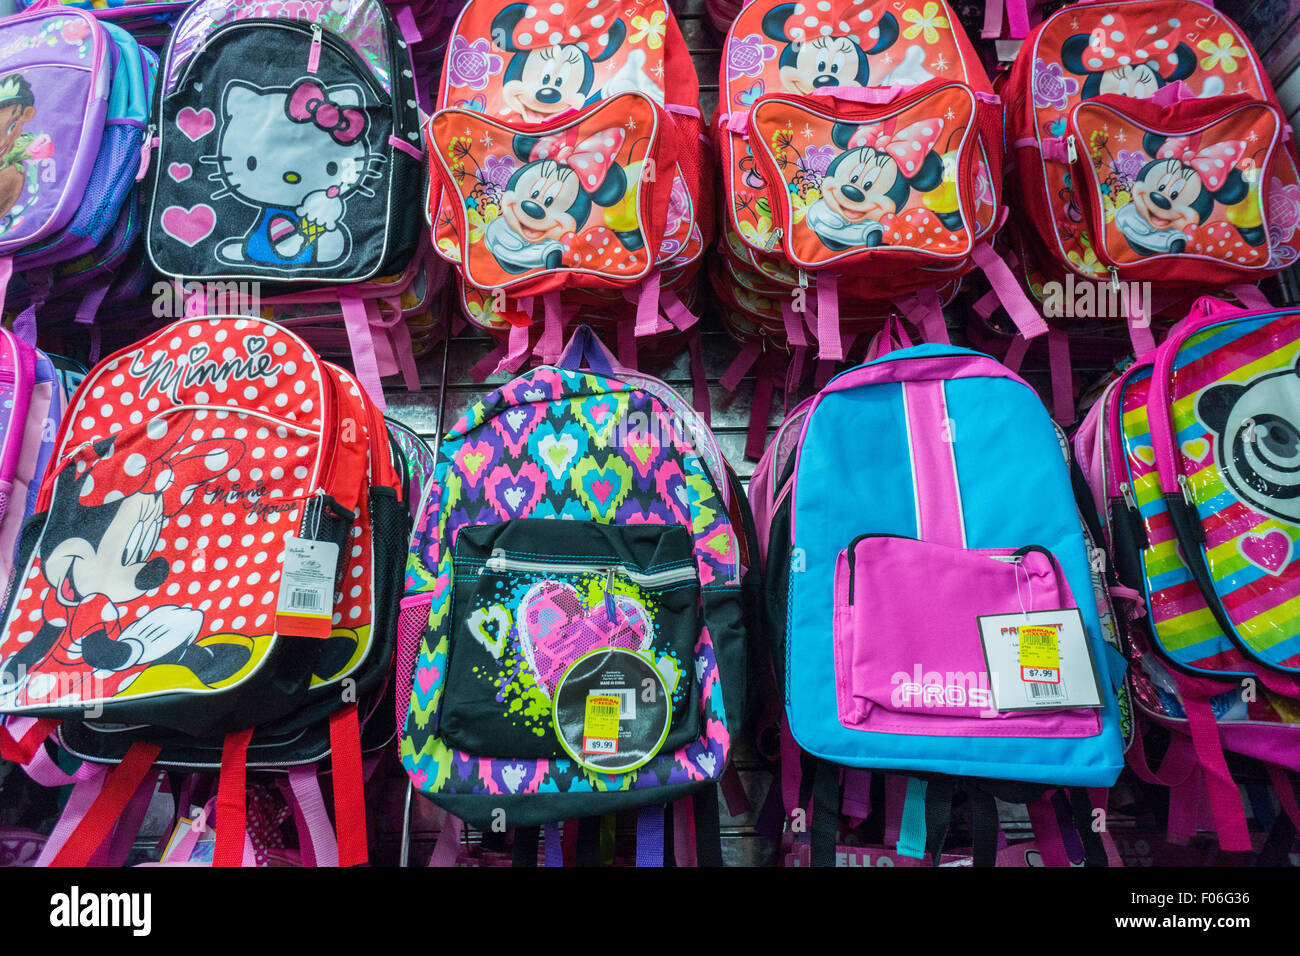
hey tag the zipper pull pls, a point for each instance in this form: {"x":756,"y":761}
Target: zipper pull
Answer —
{"x":1193,"y":518}
{"x":146,"y":149}
{"x":803,"y":279}
{"x":1070,"y":151}
{"x":1097,"y":558}
{"x":609,"y":593}
{"x":1114,"y":277}
{"x":773,"y":239}
{"x":1134,"y":516}
{"x":313,"y":58}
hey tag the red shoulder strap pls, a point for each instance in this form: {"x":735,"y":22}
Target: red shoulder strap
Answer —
{"x":232,"y":812}
{"x":109,"y":805}
{"x":349,"y":790}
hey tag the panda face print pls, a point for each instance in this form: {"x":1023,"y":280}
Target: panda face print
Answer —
{"x":1257,"y":444}
{"x":552,"y":80}
{"x":824,"y":62}
{"x":539,"y":201}
{"x":860,"y":184}
{"x":1168,"y":195}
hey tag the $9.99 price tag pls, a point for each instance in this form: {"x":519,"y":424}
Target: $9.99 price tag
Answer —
{"x":600,"y":724}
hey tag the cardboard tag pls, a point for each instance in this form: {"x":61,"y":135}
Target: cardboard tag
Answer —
{"x":611,"y":710}
{"x":306,"y":604}
{"x":1039,"y":660}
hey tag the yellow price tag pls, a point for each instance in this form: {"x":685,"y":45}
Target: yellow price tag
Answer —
{"x":600,"y":724}
{"x":1038,"y":647}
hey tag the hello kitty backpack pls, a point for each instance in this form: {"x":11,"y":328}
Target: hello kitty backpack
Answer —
{"x":1149,"y":146}
{"x":284,"y":145}
{"x":566,"y":165}
{"x":861,"y":144}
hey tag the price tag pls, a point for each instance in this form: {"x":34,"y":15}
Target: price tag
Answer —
{"x":1039,"y":660}
{"x":611,"y":710}
{"x":600,"y":724}
{"x":306,"y":604}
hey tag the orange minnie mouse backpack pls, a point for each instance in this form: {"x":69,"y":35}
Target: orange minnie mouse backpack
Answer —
{"x":1150,"y":147}
{"x":861,"y":143}
{"x":566,"y":163}
{"x":211,"y":575}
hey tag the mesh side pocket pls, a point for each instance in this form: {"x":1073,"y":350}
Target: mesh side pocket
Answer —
{"x":412,"y":619}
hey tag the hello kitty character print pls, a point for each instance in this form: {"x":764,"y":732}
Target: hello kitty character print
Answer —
{"x":296,"y":155}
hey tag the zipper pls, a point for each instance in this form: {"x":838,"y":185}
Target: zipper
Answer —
{"x":499,"y":562}
{"x":146,"y":152}
{"x":313,"y":56}
{"x":1016,"y":557}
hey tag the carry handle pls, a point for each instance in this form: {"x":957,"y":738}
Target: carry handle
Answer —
{"x":586,"y":347}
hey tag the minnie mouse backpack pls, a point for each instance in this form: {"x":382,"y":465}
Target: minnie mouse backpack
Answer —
{"x":1150,"y":146}
{"x":861,"y":144}
{"x":566,"y":155}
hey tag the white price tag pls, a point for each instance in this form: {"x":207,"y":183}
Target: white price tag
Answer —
{"x":1039,"y":660}
{"x":306,"y":604}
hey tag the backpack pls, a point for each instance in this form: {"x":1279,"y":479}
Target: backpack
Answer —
{"x":1187,"y":456}
{"x":871,"y":680}
{"x":566,"y":155}
{"x":574,"y":589}
{"x":1111,"y":103}
{"x":281,"y":144}
{"x":861,"y":144}
{"x":262,"y":463}
{"x":54,"y":57}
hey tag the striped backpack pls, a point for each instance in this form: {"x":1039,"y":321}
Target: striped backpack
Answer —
{"x":211,"y":578}
{"x":1191,"y":456}
{"x":1149,"y":146}
{"x":574,"y":607}
{"x":567,"y":167}
{"x":1007,"y":681}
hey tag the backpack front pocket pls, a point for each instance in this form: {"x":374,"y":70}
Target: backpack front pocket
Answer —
{"x":896,"y":181}
{"x":1185,"y":181}
{"x":586,"y":196}
{"x":921,"y":669}
{"x":531,"y":597}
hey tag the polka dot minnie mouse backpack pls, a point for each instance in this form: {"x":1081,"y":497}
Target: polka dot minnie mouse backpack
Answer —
{"x":1150,"y":146}
{"x":211,"y":577}
{"x":567,"y":155}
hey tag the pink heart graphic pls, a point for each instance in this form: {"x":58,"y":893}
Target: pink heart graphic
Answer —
{"x":195,"y":124}
{"x":603,"y":489}
{"x":179,"y":172}
{"x":1270,"y":551}
{"x":555,"y":629}
{"x":190,"y":226}
{"x":418,"y":778}
{"x":425,"y":676}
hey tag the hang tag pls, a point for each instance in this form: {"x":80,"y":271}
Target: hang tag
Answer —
{"x":611,"y":710}
{"x":306,"y":604}
{"x":1039,"y":660}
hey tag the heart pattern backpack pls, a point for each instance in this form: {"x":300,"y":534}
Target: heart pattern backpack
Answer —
{"x":281,"y":145}
{"x":1150,"y":146}
{"x":574,"y":588}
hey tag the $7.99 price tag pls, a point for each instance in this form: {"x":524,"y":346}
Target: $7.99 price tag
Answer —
{"x":1040,"y":658}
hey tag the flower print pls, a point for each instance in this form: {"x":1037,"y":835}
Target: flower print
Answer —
{"x":746,"y":55}
{"x":817,"y":159}
{"x":1283,"y":208}
{"x":652,"y":30}
{"x":679,"y":206}
{"x":471,"y":64}
{"x":450,"y":248}
{"x":1128,"y":163}
{"x":803,"y":201}
{"x":1223,"y":53}
{"x":1057,"y":128}
{"x":782,"y":140}
{"x":41,"y":147}
{"x":497,"y":170}
{"x":458,"y":150}
{"x":1052,"y":88}
{"x":930,"y":21}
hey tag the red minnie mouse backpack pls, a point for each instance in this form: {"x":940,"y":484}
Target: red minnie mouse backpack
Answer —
{"x":861,"y":144}
{"x":211,"y":575}
{"x":1150,"y":146}
{"x":566,"y":154}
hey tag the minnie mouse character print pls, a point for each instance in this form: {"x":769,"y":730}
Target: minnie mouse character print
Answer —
{"x":1112,"y":63}
{"x":822,"y":49}
{"x":552,"y":68}
{"x":873,"y":179}
{"x":1175,"y":193}
{"x":97,"y":555}
{"x":295,"y":154}
{"x":550,"y":197}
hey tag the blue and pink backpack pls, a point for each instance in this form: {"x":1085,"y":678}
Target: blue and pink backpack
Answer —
{"x":953,"y":501}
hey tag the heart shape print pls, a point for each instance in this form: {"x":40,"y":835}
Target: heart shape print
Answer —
{"x":1270,"y":551}
{"x":555,"y":628}
{"x":195,"y":124}
{"x":190,"y":226}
